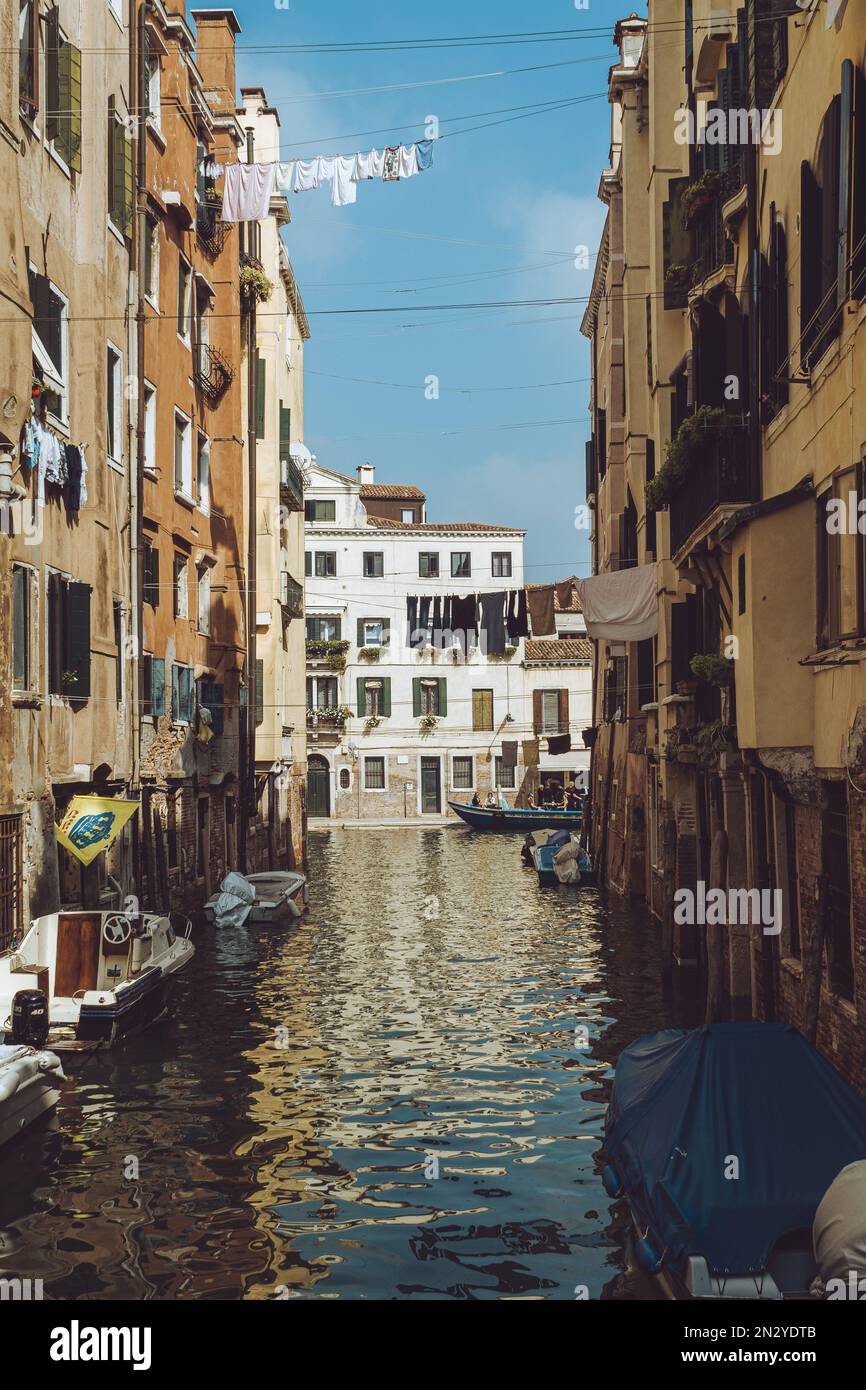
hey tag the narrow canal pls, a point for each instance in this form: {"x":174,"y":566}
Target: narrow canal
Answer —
{"x":389,"y":1101}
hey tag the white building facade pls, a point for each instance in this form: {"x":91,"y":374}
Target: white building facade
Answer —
{"x":405,"y":712}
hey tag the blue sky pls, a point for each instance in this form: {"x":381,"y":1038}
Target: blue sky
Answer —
{"x":497,"y":218}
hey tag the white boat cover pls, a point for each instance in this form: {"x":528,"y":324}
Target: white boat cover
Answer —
{"x":234,"y":902}
{"x":19,"y":1064}
{"x":566,"y":863}
{"x":839,"y":1230}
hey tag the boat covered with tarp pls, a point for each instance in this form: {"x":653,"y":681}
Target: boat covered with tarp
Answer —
{"x":724,"y":1140}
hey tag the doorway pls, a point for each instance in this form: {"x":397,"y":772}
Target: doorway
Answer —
{"x":319,"y":787}
{"x":431,"y":787}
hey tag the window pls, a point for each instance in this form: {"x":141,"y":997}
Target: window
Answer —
{"x":149,"y":428}
{"x":429,"y":697}
{"x":181,"y":586}
{"x":203,"y":599}
{"x":461,"y":564}
{"x":119,"y":171}
{"x":615,"y":689}
{"x":345,"y":779}
{"x":374,"y":564}
{"x":550,"y":712}
{"x":308,"y":564}
{"x":374,"y":774}
{"x":62,"y":93}
{"x":119,"y":628}
{"x":838,"y":904}
{"x":462,"y":775}
{"x":320,"y":511}
{"x":114,"y":397}
{"x":184,"y":299}
{"x":373,"y":632}
{"x":741,"y":584}
{"x":323,"y":629}
{"x":505,"y":776}
{"x":151,"y":259}
{"x":202,"y":328}
{"x":840,"y":560}
{"x":150,"y":574}
{"x":153,"y":676}
{"x":326,"y":564}
{"x":653,"y":798}
{"x":374,"y":698}
{"x":182,"y":456}
{"x":182,"y":694}
{"x":202,"y":472}
{"x":428,"y":565}
{"x":28,"y":56}
{"x":154,"y":104}
{"x":51,"y":343}
{"x":407,"y":516}
{"x":482,"y":710}
{"x":68,"y":637}
{"x":11,"y":880}
{"x":212,"y":697}
{"x":322,"y":692}
{"x":502,"y":564}
{"x":116,"y":7}
{"x":24,"y":664}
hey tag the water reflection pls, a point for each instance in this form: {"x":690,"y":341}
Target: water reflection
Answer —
{"x":386,"y":1102}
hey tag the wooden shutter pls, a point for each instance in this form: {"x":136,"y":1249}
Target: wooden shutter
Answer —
{"x":477,"y":710}
{"x":40,"y":294}
{"x":361,"y":622}
{"x":212,"y":698}
{"x":147,"y":684}
{"x":261,"y":399}
{"x":128,"y":195}
{"x":443,"y":696}
{"x":780,"y":292}
{"x":537,"y":711}
{"x":362,"y":698}
{"x":846,"y":133}
{"x":157,"y":688}
{"x":285,"y":431}
{"x":810,"y":252}
{"x":416,"y":697}
{"x":858,"y":221}
{"x":52,"y":92}
{"x":830,"y":217}
{"x":563,"y":711}
{"x":386,"y":697}
{"x":68,"y":139}
{"x":175,"y":691}
{"x":76,"y":638}
{"x":386,"y":632}
{"x":260,"y":692}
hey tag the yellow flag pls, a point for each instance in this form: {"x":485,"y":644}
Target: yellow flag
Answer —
{"x":91,"y":824}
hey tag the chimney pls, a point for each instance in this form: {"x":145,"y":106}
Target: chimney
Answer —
{"x":366,"y":474}
{"x":216,"y":31}
{"x":630,"y":35}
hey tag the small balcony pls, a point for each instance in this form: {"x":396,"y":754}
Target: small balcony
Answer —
{"x":213,"y":373}
{"x":291,"y":485}
{"x":714,"y":251}
{"x":721,"y":477}
{"x":291,"y":597}
{"x":212,"y":231}
{"x":323,"y":653}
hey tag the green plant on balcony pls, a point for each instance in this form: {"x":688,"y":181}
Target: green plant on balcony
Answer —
{"x":255,"y":285}
{"x":700,"y":743}
{"x":332,"y":651}
{"x":712,"y":668}
{"x":370,"y":653}
{"x":706,"y":424}
{"x":506,"y":655}
{"x":677,"y":276}
{"x":699,"y":195}
{"x":329,"y":714}
{"x":427,"y":723}
{"x":372,"y":723}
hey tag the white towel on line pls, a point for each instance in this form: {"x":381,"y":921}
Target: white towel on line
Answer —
{"x":621,"y":606}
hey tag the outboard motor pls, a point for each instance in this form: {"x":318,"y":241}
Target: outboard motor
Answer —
{"x":30,"y":1018}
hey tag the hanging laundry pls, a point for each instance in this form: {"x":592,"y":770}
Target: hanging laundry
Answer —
{"x":542,"y":614}
{"x":370,"y":166}
{"x":306,"y":175}
{"x":391,"y":171}
{"x":424,"y":606}
{"x":509,"y":753}
{"x":411,"y":616}
{"x":493,"y":623}
{"x":463,"y":619}
{"x":446,"y":613}
{"x":561,"y":743}
{"x":622,"y":605}
{"x":437,"y":621}
{"x":408,"y":161}
{"x":247,"y":192}
{"x":284,"y":177}
{"x":424,"y":149}
{"x":54,"y":454}
{"x":75,"y":485}
{"x":564,"y":592}
{"x":518,"y":623}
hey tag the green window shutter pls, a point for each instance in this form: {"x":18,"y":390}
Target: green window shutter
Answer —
{"x":443,"y":697}
{"x":70,"y":103}
{"x":175,"y":691}
{"x":285,"y":431}
{"x":362,"y":697}
{"x":76,"y":639}
{"x":52,"y":76}
{"x":386,"y":633}
{"x":157,"y":688}
{"x":127,"y":205}
{"x":260,"y":396}
{"x":260,"y":693}
{"x":360,"y":632}
{"x":416,"y":697}
{"x":386,"y":697}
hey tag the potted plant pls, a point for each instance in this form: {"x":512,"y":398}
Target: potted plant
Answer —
{"x":255,"y":285}
{"x":712,"y":668}
{"x":699,"y":195}
{"x":684,"y":450}
{"x":372,"y":723}
{"x":427,"y":723}
{"x":370,"y":653}
{"x":677,"y":276}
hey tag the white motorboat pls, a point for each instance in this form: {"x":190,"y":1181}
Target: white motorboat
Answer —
{"x":84,"y":979}
{"x":267,"y":899}
{"x":29,"y":1085}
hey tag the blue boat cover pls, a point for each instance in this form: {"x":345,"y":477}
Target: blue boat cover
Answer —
{"x":559,"y":838}
{"x":685,"y":1102}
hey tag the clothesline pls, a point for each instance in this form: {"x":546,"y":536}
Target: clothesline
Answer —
{"x":248,"y":188}
{"x":55,"y":462}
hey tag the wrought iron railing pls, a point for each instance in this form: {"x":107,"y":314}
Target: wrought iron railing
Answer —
{"x":291,"y":485}
{"x":212,"y":231}
{"x":713,"y":248}
{"x":213,"y":372}
{"x":721,"y":476}
{"x":291,"y":597}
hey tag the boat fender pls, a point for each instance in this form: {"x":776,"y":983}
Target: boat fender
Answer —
{"x":611,"y":1182}
{"x":647,"y":1256}
{"x":295,"y":910}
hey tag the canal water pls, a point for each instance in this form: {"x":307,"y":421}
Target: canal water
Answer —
{"x":389,"y":1101}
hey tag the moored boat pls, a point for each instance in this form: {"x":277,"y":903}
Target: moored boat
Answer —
{"x":84,"y":979}
{"x":273,"y":899}
{"x":29,"y":1086}
{"x":724,"y":1140}
{"x":505,"y":820}
{"x":557,"y":858}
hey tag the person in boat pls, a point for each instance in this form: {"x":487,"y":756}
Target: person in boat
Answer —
{"x":491,"y":804}
{"x":531,"y":803}
{"x":526,"y":850}
{"x":476,"y":801}
{"x":573,"y":800}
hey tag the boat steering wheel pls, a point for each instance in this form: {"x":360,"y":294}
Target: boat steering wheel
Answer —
{"x":116,"y":930}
